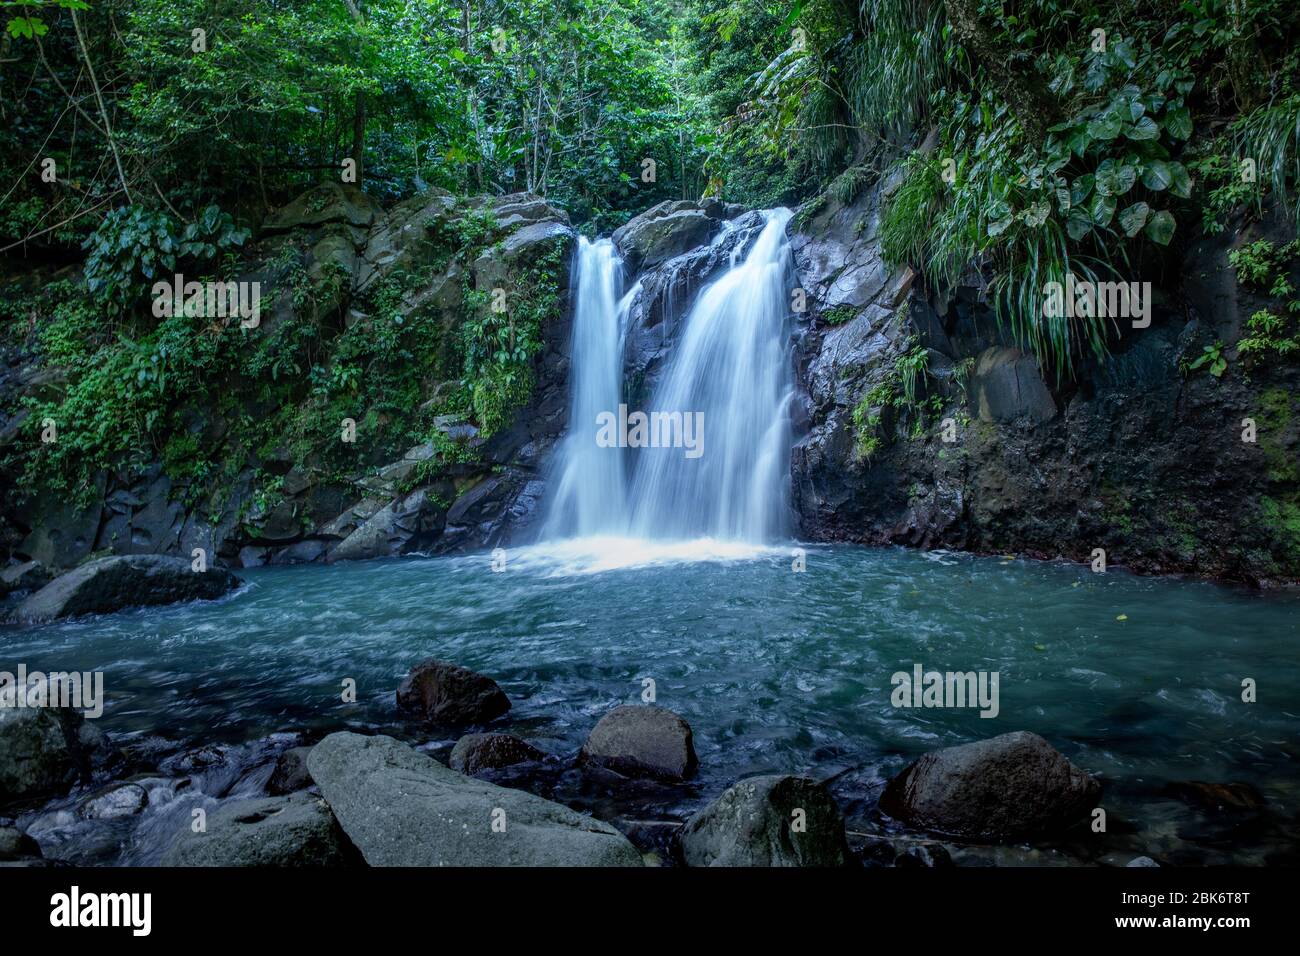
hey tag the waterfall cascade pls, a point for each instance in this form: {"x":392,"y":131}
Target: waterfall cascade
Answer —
{"x":709,"y":455}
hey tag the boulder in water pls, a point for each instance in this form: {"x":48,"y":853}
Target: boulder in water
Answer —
{"x":124,"y":801}
{"x":1009,"y":787}
{"x":768,"y":821}
{"x":44,"y":750}
{"x":296,"y":830}
{"x":643,"y":741}
{"x":449,"y":694}
{"x":476,"y":752}
{"x":290,"y":774}
{"x":16,"y":846}
{"x":401,"y":808}
{"x":110,"y":584}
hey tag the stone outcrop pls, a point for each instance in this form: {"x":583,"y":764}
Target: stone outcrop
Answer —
{"x":323,"y":258}
{"x":111,"y":584}
{"x":1138,"y":454}
{"x":401,"y":808}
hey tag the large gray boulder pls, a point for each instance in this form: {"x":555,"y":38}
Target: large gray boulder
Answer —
{"x":44,"y":750}
{"x":768,"y":821}
{"x":110,"y":584}
{"x":35,"y":758}
{"x":643,"y":741}
{"x":448,"y":694}
{"x":297,"y":830}
{"x":1010,"y":787}
{"x":477,"y":752}
{"x":401,"y":808}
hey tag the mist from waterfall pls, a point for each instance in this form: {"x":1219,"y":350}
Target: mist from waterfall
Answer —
{"x":730,"y":369}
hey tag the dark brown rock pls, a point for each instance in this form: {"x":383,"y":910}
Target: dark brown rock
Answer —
{"x":1006,"y":788}
{"x":643,"y":741}
{"x":476,"y":752}
{"x":445,"y":693}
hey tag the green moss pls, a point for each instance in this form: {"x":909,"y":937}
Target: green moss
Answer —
{"x":839,"y":314}
{"x":1274,"y":422}
{"x":1281,"y":521}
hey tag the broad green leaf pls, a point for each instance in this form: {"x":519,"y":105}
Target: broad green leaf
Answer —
{"x":1160,"y":227}
{"x":1133,"y":218}
{"x":1180,"y":181}
{"x":1157,"y":176}
{"x":1143,"y":129}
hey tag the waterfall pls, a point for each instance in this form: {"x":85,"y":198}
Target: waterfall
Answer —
{"x":590,"y":487}
{"x":709,"y":455}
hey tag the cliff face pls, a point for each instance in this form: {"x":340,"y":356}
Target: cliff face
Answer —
{"x":1140,"y":456}
{"x":334,"y":264}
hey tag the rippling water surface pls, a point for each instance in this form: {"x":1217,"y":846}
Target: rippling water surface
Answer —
{"x":1138,"y":679}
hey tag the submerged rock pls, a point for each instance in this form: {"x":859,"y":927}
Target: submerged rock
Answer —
{"x":123,"y":801}
{"x":768,"y":821}
{"x":401,"y":808}
{"x":476,"y":752}
{"x":290,"y":774}
{"x":296,"y":830}
{"x":643,"y":741}
{"x":445,"y":693}
{"x":110,"y":584}
{"x":17,"y":846}
{"x":1009,"y":787}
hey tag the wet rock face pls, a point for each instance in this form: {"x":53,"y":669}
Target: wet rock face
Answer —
{"x":110,"y":584}
{"x":401,"y":808}
{"x":668,"y":230}
{"x":448,"y":694}
{"x":296,"y":830}
{"x":768,"y":821}
{"x":1135,"y":455}
{"x":643,"y":741}
{"x":1012,"y":787}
